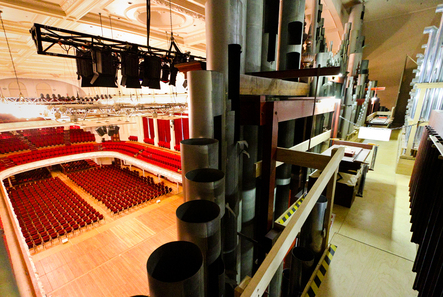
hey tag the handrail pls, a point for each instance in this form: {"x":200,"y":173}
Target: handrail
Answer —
{"x":438,"y":145}
{"x":267,"y":269}
{"x":170,"y":175}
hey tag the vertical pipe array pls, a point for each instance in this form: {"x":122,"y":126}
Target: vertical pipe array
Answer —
{"x":198,"y":153}
{"x":253,"y":54}
{"x":429,"y":70}
{"x":269,"y":44}
{"x":206,"y":184}
{"x":302,"y":266}
{"x":254,"y":35}
{"x":311,"y":235}
{"x":198,"y":221}
{"x":217,"y":36}
{"x":356,"y":40}
{"x":206,"y":95}
{"x":291,"y":34}
{"x":425,"y":190}
{"x":176,"y":269}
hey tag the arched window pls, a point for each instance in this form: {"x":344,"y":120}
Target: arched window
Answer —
{"x":43,"y":88}
{"x":14,"y":90}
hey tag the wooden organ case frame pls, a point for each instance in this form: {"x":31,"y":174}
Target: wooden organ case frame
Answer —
{"x":257,"y":110}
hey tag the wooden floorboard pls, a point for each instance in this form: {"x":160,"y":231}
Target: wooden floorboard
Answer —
{"x":110,"y":258}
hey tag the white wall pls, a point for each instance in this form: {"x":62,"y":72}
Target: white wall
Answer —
{"x":58,"y":87}
{"x":388,"y":41}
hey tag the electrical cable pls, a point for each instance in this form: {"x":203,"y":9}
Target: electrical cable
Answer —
{"x":12,"y":60}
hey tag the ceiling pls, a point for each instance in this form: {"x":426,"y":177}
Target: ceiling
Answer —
{"x":126,"y":20}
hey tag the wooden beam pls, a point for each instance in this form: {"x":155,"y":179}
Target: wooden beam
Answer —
{"x":270,"y":135}
{"x":303,"y":159}
{"x":296,"y":73}
{"x":330,"y":195}
{"x":350,"y":143}
{"x":267,"y":269}
{"x":301,"y":147}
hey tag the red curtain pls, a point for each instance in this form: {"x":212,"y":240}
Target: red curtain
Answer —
{"x":181,"y":127}
{"x":164,"y":133}
{"x":148,"y":130}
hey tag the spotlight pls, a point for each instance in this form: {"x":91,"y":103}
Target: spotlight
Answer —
{"x":113,"y":130}
{"x":104,"y":66}
{"x":129,"y":68}
{"x":173,"y":76}
{"x":165,"y":73}
{"x":150,"y":70}
{"x":101,"y":131}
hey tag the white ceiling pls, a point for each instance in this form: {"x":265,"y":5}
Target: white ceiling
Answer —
{"x":127,"y":18}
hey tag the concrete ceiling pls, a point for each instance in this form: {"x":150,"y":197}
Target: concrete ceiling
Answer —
{"x":127,"y":19}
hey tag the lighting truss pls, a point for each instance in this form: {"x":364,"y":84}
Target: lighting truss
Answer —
{"x":45,"y":37}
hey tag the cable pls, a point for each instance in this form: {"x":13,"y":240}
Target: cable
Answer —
{"x":10,"y":54}
{"x":101,"y":24}
{"x":148,"y":20}
{"x":110,"y":24}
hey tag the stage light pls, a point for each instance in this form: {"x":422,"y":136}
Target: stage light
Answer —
{"x":165,"y":73}
{"x":104,"y":65}
{"x":150,"y":71}
{"x":129,"y":68}
{"x":101,"y":131}
{"x":173,"y":76}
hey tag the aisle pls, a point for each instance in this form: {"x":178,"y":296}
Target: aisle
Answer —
{"x":374,"y":255}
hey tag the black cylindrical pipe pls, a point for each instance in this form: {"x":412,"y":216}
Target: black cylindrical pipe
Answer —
{"x":285,"y":282}
{"x":216,"y":278}
{"x":286,"y":132}
{"x":249,"y":194}
{"x":176,"y":269}
{"x":302,"y":266}
{"x":206,"y":184}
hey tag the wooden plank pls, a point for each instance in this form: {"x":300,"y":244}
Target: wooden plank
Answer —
{"x":303,"y":159}
{"x":254,"y":85}
{"x":350,"y":143}
{"x":296,"y":109}
{"x":295,"y":73}
{"x":301,"y":147}
{"x":330,"y":195}
{"x":270,"y":135}
{"x":267,"y":269}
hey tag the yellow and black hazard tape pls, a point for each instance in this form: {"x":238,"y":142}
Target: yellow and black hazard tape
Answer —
{"x":315,"y":285}
{"x":291,"y":211}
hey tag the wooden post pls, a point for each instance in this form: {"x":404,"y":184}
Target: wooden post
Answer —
{"x":270,"y":135}
{"x":330,"y":194}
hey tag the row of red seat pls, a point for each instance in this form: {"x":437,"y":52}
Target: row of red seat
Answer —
{"x":49,"y":209}
{"x":45,"y":136}
{"x":159,"y":157}
{"x":164,"y":144}
{"x":117,"y":189}
{"x":133,"y":138}
{"x":38,"y":155}
{"x":10,"y":143}
{"x":32,"y":175}
{"x":79,"y":135}
{"x":76,"y":166}
{"x":149,"y":141}
{"x":126,"y":148}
